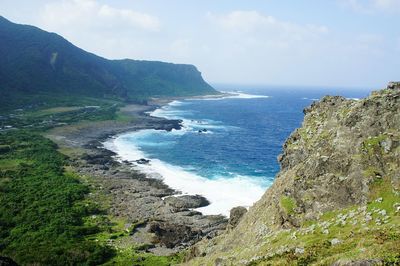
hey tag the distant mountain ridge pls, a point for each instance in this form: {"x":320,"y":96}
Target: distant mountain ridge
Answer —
{"x":33,"y":61}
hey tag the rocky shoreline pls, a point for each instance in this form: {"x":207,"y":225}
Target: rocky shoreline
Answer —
{"x":163,"y":219}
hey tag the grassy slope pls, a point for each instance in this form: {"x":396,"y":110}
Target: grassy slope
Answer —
{"x":359,"y":236}
{"x":48,"y":213}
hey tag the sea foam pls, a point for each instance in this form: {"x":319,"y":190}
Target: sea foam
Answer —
{"x":223,"y":193}
{"x":234,"y":95}
{"x":188,"y":125}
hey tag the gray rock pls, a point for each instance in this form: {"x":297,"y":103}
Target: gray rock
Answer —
{"x":382,"y":212}
{"x":187,"y":202}
{"x":379,"y":200}
{"x":335,"y":242}
{"x":393,"y":85}
{"x":361,"y":139}
{"x":236,"y":214}
{"x":171,"y":235}
{"x":299,"y":250}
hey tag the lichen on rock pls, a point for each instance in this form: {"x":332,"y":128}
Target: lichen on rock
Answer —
{"x":345,"y":157}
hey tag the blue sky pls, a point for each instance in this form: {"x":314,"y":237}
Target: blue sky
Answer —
{"x":350,"y":43}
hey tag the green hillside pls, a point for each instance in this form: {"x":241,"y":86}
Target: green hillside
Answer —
{"x":37,"y":67}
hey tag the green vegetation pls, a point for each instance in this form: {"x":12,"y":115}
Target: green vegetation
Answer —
{"x":56,"y":110}
{"x":288,"y":204}
{"x":48,"y":216}
{"x":41,"y":206}
{"x":47,"y":118}
{"x":47,"y":213}
{"x":372,"y":145}
{"x":134,"y":256}
{"x":38,"y":68}
{"x":349,"y":234}
{"x":122,"y":117}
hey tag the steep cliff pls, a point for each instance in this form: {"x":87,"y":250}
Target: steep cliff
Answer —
{"x":37,"y":66}
{"x":336,"y":198}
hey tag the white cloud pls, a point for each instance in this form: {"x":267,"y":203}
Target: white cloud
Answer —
{"x":372,"y":6}
{"x":233,"y":46}
{"x":92,"y":14}
{"x":393,"y":5}
{"x":246,"y":21}
{"x":356,"y":5}
{"x":181,"y":49}
{"x":252,"y":22}
{"x":102,"y":28}
{"x":275,"y":50}
{"x":141,"y":20}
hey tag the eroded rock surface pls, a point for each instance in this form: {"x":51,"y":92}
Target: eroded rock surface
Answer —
{"x":346,"y":153}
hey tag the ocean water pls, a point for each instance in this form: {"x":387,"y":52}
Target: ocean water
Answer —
{"x":227,"y":148}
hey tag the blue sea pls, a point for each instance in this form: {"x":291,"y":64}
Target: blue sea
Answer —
{"x":227,"y":148}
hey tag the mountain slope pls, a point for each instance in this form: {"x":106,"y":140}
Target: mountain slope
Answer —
{"x":33,"y":61}
{"x":336,"y":198}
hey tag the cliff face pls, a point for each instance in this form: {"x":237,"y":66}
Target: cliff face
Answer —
{"x":336,"y":198}
{"x":35,"y":65}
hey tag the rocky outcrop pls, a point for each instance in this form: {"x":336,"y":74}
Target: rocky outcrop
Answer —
{"x":187,"y":202}
{"x":235,"y":215}
{"x":160,"y":210}
{"x":338,"y":186}
{"x":172,"y":235}
{"x":393,"y":85}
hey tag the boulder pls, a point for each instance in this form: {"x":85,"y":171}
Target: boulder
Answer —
{"x":187,"y":202}
{"x":172,"y":235}
{"x":236,"y":214}
{"x":393,"y":85}
{"x":143,"y":161}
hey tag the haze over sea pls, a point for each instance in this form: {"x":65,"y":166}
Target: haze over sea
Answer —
{"x":227,"y":148}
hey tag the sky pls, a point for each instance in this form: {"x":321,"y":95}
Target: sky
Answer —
{"x":335,"y":43}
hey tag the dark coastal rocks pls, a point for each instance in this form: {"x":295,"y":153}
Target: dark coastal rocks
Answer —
{"x":170,"y":235}
{"x":236,"y":214}
{"x":100,"y":157}
{"x":140,"y":198}
{"x":393,"y":85}
{"x":187,"y":202}
{"x":135,"y":196}
{"x":168,"y":125}
{"x":143,"y":161}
